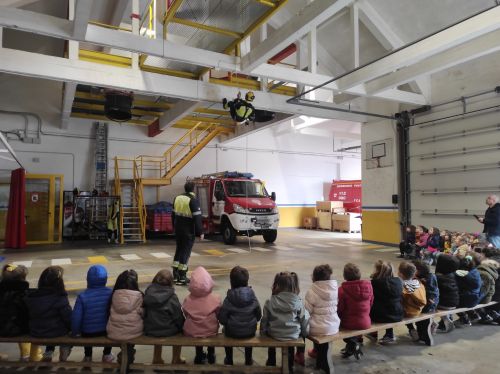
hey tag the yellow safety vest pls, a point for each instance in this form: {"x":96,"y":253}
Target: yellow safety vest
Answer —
{"x":181,"y":205}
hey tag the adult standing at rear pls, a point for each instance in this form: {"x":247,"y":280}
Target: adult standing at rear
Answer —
{"x":491,"y":220}
{"x":186,"y":217}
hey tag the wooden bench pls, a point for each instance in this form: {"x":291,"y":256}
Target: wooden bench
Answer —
{"x":219,"y":341}
{"x":175,"y":341}
{"x":65,"y":340}
{"x":325,"y":351}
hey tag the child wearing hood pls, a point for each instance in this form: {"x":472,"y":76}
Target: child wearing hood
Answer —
{"x":163,"y":313}
{"x":240,"y":312}
{"x":469,"y":284}
{"x":126,"y":311}
{"x":429,"y":281}
{"x":49,"y":311}
{"x":200,"y":308}
{"x":91,"y":311}
{"x":414,"y":297}
{"x":446,"y":265}
{"x":387,"y":292}
{"x":284,"y":316}
{"x":321,"y":302}
{"x":488,"y":270}
{"x":355,"y":302}
{"x":14,"y":316}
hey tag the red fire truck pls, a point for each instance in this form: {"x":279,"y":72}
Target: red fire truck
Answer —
{"x":234,"y":203}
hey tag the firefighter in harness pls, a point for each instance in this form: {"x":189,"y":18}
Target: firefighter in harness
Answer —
{"x":241,"y":110}
{"x":186,"y":217}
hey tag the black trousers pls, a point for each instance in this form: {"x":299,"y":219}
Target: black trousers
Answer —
{"x":183,"y":245}
{"x":88,"y":349}
{"x":248,"y":354}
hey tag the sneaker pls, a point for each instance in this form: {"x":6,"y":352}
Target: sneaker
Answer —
{"x":24,"y":359}
{"x":486,"y":320}
{"x":108,"y":358}
{"x":211,"y":359}
{"x":64,"y":352}
{"x":474,"y":317}
{"x":414,"y":335}
{"x":299,"y":358}
{"x":389,"y":339}
{"x":200,"y":360}
{"x":312,"y":353}
{"x":87,"y":359}
{"x":224,"y":103}
{"x":465,"y":321}
{"x":434,"y":327}
{"x":228,"y":361}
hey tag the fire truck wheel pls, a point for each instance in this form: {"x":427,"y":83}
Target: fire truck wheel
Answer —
{"x":270,"y":236}
{"x":228,"y":233}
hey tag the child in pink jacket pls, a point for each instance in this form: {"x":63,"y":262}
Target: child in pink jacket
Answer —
{"x":126,"y":311}
{"x":200,"y":309}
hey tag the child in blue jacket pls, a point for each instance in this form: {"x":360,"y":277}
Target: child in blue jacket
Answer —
{"x":469,"y":284}
{"x":91,"y":311}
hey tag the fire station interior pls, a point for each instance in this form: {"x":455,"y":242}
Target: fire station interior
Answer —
{"x":366,"y":116}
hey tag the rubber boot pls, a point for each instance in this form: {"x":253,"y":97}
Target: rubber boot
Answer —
{"x":175,"y":273}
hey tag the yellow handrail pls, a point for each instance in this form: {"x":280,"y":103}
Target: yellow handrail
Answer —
{"x":194,"y":134}
{"x":139,"y":198}
{"x":118,"y":191}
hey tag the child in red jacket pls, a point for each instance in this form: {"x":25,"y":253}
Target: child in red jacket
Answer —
{"x":355,"y":302}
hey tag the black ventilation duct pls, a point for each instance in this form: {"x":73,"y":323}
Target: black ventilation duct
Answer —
{"x":118,"y":106}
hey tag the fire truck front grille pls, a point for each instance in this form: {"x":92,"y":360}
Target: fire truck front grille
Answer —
{"x":260,"y":210}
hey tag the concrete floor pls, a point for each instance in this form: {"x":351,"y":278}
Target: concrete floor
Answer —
{"x":467,"y":350}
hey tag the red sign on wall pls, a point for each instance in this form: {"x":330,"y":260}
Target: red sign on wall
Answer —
{"x":348,"y":191}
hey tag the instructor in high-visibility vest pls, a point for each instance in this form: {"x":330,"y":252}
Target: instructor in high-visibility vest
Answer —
{"x":186,"y":218}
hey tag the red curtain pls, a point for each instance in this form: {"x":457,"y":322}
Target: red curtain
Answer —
{"x":15,"y":229}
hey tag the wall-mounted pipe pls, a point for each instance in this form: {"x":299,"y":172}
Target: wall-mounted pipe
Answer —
{"x":463,"y":190}
{"x":458,"y":134}
{"x":456,"y":152}
{"x":458,"y":169}
{"x":25,"y":115}
{"x":457,"y":213}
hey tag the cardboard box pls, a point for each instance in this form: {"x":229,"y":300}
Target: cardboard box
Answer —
{"x":325,"y":220}
{"x":346,"y":223}
{"x":310,"y":222}
{"x":338,"y":210}
{"x":328,"y":206}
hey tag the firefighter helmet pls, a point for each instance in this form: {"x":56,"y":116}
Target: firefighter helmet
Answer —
{"x":249,"y":96}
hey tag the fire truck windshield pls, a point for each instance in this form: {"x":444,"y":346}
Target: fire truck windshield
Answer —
{"x":245,"y":189}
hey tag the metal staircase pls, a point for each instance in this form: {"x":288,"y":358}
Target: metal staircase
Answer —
{"x":154,"y":171}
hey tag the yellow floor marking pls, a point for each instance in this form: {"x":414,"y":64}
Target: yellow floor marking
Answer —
{"x":214,"y":252}
{"x":98,"y":260}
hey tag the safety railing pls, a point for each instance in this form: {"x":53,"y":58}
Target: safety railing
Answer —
{"x":185,"y":144}
{"x":118,"y":192}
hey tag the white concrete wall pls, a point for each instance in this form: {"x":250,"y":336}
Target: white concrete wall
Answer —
{"x":295,"y":166}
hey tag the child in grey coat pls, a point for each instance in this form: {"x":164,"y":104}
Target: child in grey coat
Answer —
{"x":284,"y":316}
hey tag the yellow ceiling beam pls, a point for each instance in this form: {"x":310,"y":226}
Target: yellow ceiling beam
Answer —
{"x":100,"y":107}
{"x":258,"y":22}
{"x":202,"y":26}
{"x":212,"y":111}
{"x":266,"y":2}
{"x":104,"y":58}
{"x":138,"y":122}
{"x":169,"y":14}
{"x":166,"y":71}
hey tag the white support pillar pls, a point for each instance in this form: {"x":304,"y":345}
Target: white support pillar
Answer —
{"x":312,"y":57}
{"x":355,"y":33}
{"x":135,"y":30}
{"x":263,"y":36}
{"x":69,"y":88}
